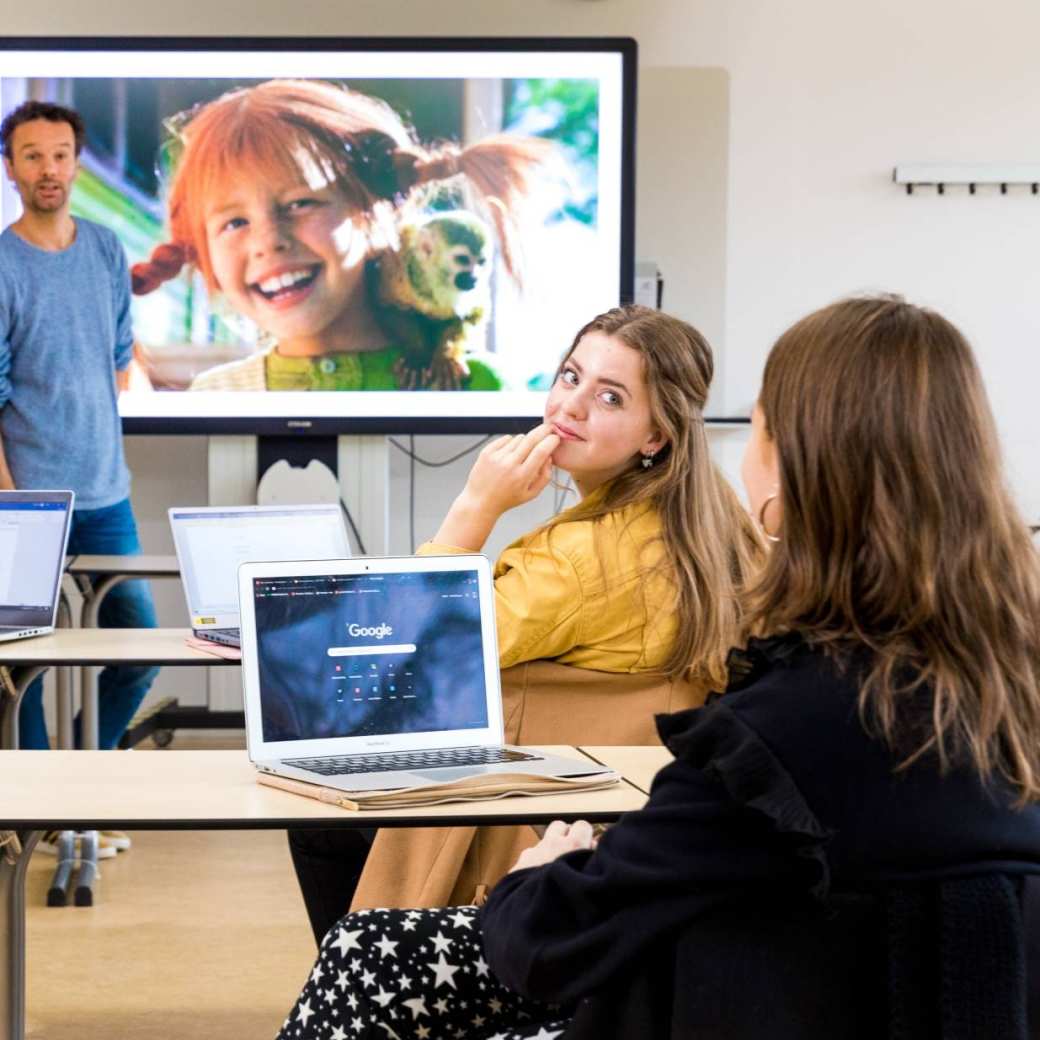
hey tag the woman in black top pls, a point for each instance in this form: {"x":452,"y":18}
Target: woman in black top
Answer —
{"x":846,"y":843}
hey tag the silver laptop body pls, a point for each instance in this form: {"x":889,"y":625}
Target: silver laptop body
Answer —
{"x":377,"y":673}
{"x":34,"y":534}
{"x":211,"y":541}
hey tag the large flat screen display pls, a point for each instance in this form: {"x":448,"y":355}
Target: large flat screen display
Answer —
{"x":348,"y":235}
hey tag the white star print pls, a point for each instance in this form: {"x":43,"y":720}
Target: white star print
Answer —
{"x":341,"y":980}
{"x":316,"y":973}
{"x":357,"y":1025}
{"x":460,"y":920}
{"x":390,"y":1032}
{"x":421,"y":1032}
{"x":386,"y":947}
{"x":481,"y":966}
{"x":441,"y":943}
{"x":330,"y":996}
{"x":441,"y":1006}
{"x":478,"y":1021}
{"x":352,"y":1002}
{"x":544,"y":1034}
{"x":339,"y":1033}
{"x":444,"y":972}
{"x":347,"y":941}
{"x":496,"y":1007}
{"x":417,"y":1006}
{"x":498,"y":1036}
{"x":382,"y":998}
{"x":409,"y":924}
{"x":304,"y":1011}
{"x":355,"y":964}
{"x":367,"y":978}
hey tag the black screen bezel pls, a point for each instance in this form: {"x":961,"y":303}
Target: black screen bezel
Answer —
{"x":325,"y":426}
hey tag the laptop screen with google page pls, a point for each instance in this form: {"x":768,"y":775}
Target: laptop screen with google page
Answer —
{"x":351,"y":655}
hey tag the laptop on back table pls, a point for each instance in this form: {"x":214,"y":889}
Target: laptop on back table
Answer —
{"x":34,"y":534}
{"x":212,"y":541}
{"x":378,"y":673}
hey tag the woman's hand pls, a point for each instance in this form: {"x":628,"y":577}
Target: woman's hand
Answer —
{"x":559,"y":838}
{"x":512,"y":470}
{"x":508,"y":472}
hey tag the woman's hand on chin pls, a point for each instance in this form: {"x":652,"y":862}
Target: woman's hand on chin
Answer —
{"x":512,"y":470}
{"x":508,"y":472}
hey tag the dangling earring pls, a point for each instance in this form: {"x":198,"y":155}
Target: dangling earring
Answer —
{"x":648,"y":460}
{"x":762,"y":517}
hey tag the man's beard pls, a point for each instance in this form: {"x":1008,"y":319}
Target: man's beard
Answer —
{"x":50,"y":203}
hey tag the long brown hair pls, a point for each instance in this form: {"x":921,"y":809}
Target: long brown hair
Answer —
{"x":711,"y":545}
{"x":899,"y":534}
{"x":330,"y":135}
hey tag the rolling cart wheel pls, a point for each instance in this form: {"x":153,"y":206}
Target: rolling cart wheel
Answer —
{"x":162,"y":737}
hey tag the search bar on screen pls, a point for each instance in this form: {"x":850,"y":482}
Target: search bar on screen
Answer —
{"x":371,"y":651}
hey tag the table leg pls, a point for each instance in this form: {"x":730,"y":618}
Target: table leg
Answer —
{"x":10,"y":705}
{"x":88,"y":693}
{"x":14,"y":859}
{"x":63,"y":683}
{"x":88,"y":687}
{"x":88,"y":618}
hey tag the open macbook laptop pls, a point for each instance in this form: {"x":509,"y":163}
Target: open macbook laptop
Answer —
{"x":212,"y":541}
{"x":34,"y":533}
{"x":377,"y":673}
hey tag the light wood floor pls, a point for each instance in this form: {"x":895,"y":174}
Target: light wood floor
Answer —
{"x":193,"y":934}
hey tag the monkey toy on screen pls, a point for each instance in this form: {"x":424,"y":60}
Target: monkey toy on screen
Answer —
{"x":432,"y":296}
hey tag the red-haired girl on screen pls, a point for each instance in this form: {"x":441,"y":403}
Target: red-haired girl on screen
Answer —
{"x":288,"y":198}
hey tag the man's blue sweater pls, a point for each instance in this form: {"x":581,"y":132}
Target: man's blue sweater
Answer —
{"x":64,"y":330}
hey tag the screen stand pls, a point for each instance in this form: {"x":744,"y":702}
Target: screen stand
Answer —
{"x":244,"y":470}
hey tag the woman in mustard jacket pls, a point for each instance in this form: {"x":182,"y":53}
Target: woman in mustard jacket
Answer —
{"x":636,"y":583}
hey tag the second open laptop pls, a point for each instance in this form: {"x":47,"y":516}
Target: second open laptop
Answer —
{"x":34,"y":534}
{"x":211,"y":542}
{"x":378,"y":673}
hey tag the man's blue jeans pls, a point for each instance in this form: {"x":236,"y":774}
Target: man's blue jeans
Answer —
{"x":108,"y":531}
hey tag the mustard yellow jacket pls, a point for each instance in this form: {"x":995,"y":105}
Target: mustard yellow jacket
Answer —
{"x":584,"y":594}
{"x":592,"y":594}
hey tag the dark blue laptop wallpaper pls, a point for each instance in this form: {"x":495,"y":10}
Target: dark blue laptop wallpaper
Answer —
{"x":355,"y":655}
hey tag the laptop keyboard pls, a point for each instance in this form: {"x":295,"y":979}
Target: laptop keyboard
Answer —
{"x":409,"y":760}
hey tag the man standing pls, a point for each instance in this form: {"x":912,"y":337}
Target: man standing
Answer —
{"x":65,"y":343}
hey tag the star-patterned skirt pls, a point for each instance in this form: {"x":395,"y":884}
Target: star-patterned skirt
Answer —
{"x":412,"y":975}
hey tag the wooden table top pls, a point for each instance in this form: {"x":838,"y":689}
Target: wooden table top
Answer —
{"x":153,"y":566}
{"x":198,"y":790}
{"x":103,"y":646}
{"x":638,"y":765}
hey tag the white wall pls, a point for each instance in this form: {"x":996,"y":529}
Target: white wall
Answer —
{"x":825,"y":97}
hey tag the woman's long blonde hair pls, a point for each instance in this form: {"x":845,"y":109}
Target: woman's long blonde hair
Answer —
{"x":899,"y":534}
{"x":711,"y":545}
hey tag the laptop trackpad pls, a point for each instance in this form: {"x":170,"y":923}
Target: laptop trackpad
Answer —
{"x":447,"y":775}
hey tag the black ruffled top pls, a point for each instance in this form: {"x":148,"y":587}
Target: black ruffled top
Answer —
{"x":777,"y":798}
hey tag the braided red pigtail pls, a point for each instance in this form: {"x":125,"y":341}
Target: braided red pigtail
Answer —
{"x":165,"y":263}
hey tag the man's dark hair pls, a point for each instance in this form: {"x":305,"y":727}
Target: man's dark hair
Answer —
{"x":30,"y":110}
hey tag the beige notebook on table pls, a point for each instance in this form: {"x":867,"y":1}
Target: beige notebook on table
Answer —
{"x":472,"y":789}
